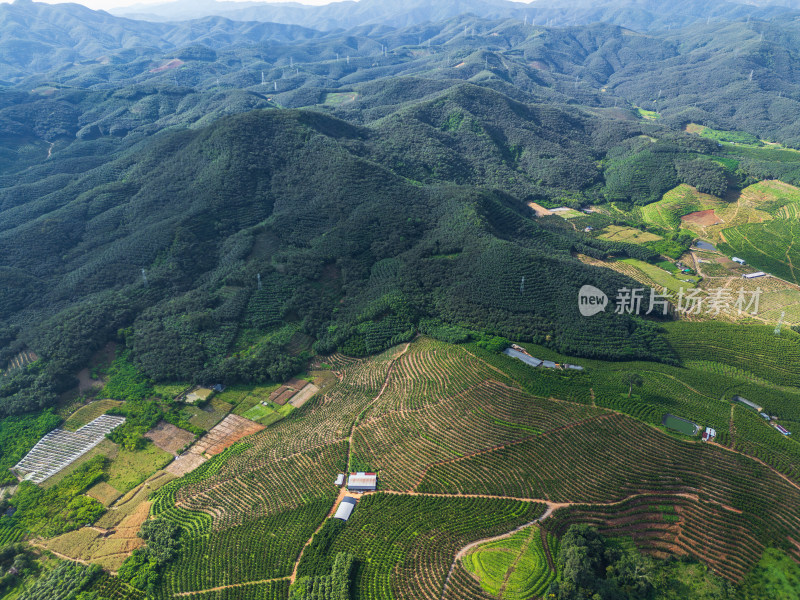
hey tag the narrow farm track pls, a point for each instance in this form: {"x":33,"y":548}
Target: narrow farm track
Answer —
{"x":552,"y":507}
{"x":37,"y":544}
{"x":229,"y":586}
{"x":343,"y":491}
{"x":331,"y":512}
{"x":461,"y":553}
{"x":786,"y":478}
{"x":385,"y":385}
{"x":513,"y":566}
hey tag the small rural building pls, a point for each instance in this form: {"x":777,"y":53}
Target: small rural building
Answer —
{"x":782,"y":429}
{"x":747,"y":402}
{"x":736,"y":259}
{"x":362,"y":482}
{"x":709,"y":434}
{"x":765,"y":416}
{"x":754,"y":275}
{"x":339,"y":480}
{"x":524,"y":357}
{"x":345,"y":509}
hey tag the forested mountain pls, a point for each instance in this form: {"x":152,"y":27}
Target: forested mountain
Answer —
{"x":286,"y":217}
{"x":244,"y":253}
{"x":236,"y":182}
{"x":636,"y":14}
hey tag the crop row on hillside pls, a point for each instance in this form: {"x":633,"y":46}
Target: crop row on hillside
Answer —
{"x":622,"y":459}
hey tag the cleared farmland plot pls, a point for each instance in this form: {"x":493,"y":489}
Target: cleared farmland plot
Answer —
{"x":229,"y":431}
{"x":59,"y":448}
{"x":684,"y":199}
{"x":632,"y":235}
{"x":115,"y":535}
{"x":517,"y":567}
{"x":169,"y":438}
{"x":86,"y":414}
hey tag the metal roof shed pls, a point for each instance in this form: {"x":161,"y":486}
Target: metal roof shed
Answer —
{"x":345,"y":508}
{"x":362,"y":482}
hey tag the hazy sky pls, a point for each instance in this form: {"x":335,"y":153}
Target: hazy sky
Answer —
{"x":108,"y":4}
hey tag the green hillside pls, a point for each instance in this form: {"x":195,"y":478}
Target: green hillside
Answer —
{"x":297,"y":243}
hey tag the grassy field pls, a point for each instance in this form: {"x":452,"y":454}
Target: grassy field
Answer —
{"x":104,"y":492}
{"x":775,"y":576}
{"x":738,"y":137}
{"x":267,"y":415}
{"x":662,"y":278}
{"x":129,"y":469}
{"x":631,"y":235}
{"x":209,"y":415}
{"x":680,"y":425}
{"x":337,"y":98}
{"x":245,"y":397}
{"x":648,"y":114}
{"x":514,"y":568}
{"x":169,"y":391}
{"x":87,"y":414}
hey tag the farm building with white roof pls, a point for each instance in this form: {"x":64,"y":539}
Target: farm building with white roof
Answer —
{"x":345,"y":509}
{"x":362,"y":482}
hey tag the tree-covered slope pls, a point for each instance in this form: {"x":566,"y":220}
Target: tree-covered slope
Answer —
{"x":283,"y":218}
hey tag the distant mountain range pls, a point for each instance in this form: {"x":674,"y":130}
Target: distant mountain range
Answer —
{"x":641,"y":15}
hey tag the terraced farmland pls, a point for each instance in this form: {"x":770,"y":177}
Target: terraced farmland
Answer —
{"x":469,"y":445}
{"x":261,"y":549}
{"x":767,"y":246}
{"x":515,"y":568}
{"x":726,"y":498}
{"x":406,"y":544}
{"x":684,"y":199}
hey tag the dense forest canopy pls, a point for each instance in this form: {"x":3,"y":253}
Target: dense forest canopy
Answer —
{"x":204,"y":198}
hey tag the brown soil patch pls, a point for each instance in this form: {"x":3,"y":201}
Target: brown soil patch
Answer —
{"x":304,"y":395}
{"x":704,"y":218}
{"x":169,"y":438}
{"x":537,"y":64}
{"x":540,"y":210}
{"x":460,"y":65}
{"x":173,"y":64}
{"x":86,"y":383}
{"x":185,"y":463}
{"x":283,"y":397}
{"x":228,"y":432}
{"x":287,"y":390}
